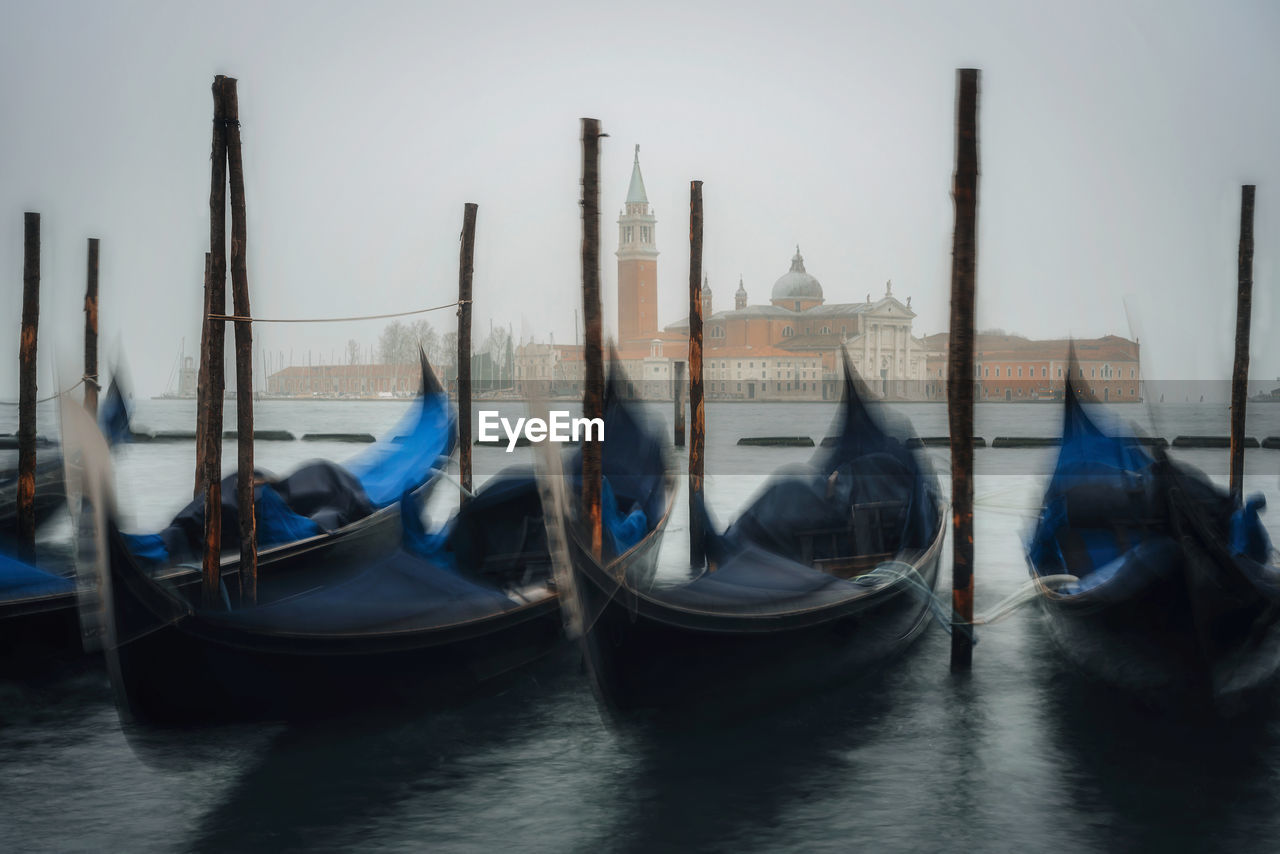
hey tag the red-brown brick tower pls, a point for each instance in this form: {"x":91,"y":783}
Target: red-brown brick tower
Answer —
{"x":637,"y":264}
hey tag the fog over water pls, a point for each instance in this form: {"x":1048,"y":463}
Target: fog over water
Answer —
{"x":1114,"y":140}
{"x":1022,"y":754}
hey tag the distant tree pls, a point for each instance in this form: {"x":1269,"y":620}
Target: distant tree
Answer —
{"x":498,"y":346}
{"x":424,"y":336}
{"x":510,"y":365}
{"x":353,"y":352}
{"x":396,"y":345}
{"x":448,"y":351}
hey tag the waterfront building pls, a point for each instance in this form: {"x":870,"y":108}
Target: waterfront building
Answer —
{"x":1012,"y":368}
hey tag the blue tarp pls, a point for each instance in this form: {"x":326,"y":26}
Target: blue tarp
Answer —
{"x":1106,"y":517}
{"x":19,"y":580}
{"x":867,"y":464}
{"x":457,"y":572}
{"x":319,"y":496}
{"x":402,"y":461}
{"x":113,"y":415}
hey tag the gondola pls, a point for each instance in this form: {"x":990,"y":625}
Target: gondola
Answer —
{"x":50,"y":483}
{"x":822,"y":578}
{"x":38,"y":623}
{"x":37,"y":617}
{"x":1178,"y":593}
{"x":321,"y":500}
{"x":419,"y":618}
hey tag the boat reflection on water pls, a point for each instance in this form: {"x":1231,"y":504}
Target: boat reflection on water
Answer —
{"x":1140,"y":777}
{"x":393,"y":776}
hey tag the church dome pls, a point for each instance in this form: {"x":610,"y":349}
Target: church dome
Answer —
{"x":796,"y":284}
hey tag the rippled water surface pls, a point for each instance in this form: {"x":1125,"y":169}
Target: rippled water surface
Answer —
{"x":1020,"y":754}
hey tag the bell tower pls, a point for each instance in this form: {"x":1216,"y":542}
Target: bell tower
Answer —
{"x":637,"y":263}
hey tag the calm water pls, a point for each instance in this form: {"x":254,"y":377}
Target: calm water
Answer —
{"x":1019,"y":754}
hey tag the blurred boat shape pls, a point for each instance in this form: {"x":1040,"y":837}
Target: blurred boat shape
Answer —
{"x":372,"y":615}
{"x":826,"y":575}
{"x":38,"y":623}
{"x":1178,"y":592}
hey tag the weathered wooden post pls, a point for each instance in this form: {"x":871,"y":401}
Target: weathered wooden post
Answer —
{"x":27,"y":386}
{"x":244,"y":351}
{"x":1240,"y":371}
{"x":466,"y":267}
{"x":593,"y":347}
{"x":91,"y":382}
{"x":202,"y":383}
{"x":697,"y":464}
{"x":960,"y":366}
{"x":677,"y":395}
{"x":211,"y":357}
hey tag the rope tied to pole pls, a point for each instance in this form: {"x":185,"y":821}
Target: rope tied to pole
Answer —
{"x":235,"y":318}
{"x":57,"y":394}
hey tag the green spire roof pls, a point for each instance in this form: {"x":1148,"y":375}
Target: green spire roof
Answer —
{"x":635,"y":193}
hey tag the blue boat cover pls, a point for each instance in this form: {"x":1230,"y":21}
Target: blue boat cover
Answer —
{"x":868,"y":465}
{"x":113,"y":414}
{"x":398,"y":591}
{"x":403,"y":460}
{"x":457,"y":573}
{"x":500,"y":534}
{"x":764,"y":560}
{"x":19,"y":580}
{"x":1106,"y":516}
{"x":319,"y":496}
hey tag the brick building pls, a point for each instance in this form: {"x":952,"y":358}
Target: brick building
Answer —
{"x":1012,"y":368}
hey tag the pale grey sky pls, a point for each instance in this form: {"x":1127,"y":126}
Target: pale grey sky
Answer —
{"x":1114,"y":139}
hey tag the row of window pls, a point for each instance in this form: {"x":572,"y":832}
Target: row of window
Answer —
{"x":723,"y":364}
{"x":778,"y":386}
{"x":996,"y":392}
{"x":629,"y":233}
{"x":1107,"y":372}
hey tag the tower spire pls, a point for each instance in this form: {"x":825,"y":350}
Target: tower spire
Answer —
{"x":635,"y":193}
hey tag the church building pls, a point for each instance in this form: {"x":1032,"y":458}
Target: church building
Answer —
{"x":788,"y":349}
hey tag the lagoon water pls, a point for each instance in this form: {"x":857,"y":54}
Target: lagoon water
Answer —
{"x":1022,"y":753}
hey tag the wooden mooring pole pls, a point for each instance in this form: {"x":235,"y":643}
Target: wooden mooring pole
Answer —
{"x":202,"y":383}
{"x":244,"y":352}
{"x":91,"y":382}
{"x":960,"y":365}
{"x":697,"y":429}
{"x":593,"y":347}
{"x":1240,"y":370}
{"x":27,"y":386}
{"x":466,"y":267}
{"x":211,"y":358}
{"x":677,"y":397}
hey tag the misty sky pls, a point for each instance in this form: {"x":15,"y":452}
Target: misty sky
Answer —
{"x":1114,"y":139}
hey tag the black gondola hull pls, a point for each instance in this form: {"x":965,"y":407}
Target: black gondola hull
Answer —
{"x":37,"y":633}
{"x":172,"y":665}
{"x":1197,"y":633}
{"x":647,"y":657}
